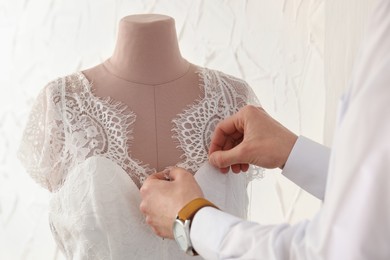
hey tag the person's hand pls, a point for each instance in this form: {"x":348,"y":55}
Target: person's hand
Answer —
{"x":250,"y":136}
{"x":162,"y":199}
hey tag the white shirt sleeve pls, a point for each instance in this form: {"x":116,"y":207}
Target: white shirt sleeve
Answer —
{"x":307,"y":166}
{"x":219,"y":235}
{"x":354,"y":221}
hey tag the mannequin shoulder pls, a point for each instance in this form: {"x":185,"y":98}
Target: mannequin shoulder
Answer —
{"x":57,"y":90}
{"x":70,"y":84}
{"x":220,"y":76}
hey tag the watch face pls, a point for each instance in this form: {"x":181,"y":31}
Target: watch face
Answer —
{"x":180,"y":234}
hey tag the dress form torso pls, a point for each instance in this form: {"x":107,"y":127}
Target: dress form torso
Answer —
{"x":74,"y":143}
{"x":148,"y":74}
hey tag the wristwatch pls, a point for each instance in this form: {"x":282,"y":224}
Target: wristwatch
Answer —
{"x":182,"y":224}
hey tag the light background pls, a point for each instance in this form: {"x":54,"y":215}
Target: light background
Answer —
{"x":296,"y":54}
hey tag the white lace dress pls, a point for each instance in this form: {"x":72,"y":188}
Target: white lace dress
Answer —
{"x":77,"y":146}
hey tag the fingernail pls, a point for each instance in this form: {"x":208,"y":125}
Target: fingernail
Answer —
{"x":166,"y":173}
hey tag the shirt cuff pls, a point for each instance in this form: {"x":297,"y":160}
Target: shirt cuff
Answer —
{"x":307,"y":166}
{"x":208,"y":230}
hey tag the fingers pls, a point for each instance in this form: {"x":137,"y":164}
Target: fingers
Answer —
{"x":231,"y":156}
{"x":244,"y":167}
{"x":157,"y":176}
{"x":227,"y":136}
{"x":160,"y":225}
{"x":163,"y":175}
{"x":171,"y":173}
{"x":223,"y":159}
{"x":177,"y":173}
{"x":229,"y":144}
{"x":236,"y":168}
{"x":153,"y":205}
{"x":161,"y":199}
{"x":227,"y":131}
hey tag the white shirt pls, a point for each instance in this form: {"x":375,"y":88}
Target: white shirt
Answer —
{"x":354,"y":222}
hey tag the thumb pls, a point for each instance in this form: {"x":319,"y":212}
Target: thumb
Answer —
{"x":177,"y":173}
{"x":222,"y":159}
{"x":157,"y":176}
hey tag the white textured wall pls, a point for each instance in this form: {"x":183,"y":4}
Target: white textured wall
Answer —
{"x":276,"y":46}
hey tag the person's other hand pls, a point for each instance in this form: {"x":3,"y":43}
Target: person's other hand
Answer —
{"x":250,"y":136}
{"x":162,"y":199}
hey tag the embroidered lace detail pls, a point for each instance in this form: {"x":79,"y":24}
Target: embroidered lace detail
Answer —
{"x":68,"y":124}
{"x":224,"y":95}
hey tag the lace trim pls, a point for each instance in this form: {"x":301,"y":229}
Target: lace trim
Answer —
{"x":124,"y":137}
{"x":69,"y":124}
{"x":224,"y":95}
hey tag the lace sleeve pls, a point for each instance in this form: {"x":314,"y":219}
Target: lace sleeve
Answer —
{"x":43,"y":139}
{"x":251,"y":97}
{"x":237,"y":94}
{"x":243,"y":93}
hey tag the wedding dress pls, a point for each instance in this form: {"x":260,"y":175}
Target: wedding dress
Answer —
{"x":77,"y":146}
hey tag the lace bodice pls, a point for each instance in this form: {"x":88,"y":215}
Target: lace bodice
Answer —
{"x":78,"y":146}
{"x":68,"y":124}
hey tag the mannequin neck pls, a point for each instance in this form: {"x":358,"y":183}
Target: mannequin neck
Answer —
{"x":147,"y":50}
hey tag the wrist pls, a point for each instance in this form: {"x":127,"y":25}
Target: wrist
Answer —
{"x":289,"y":145}
{"x":183,"y":221}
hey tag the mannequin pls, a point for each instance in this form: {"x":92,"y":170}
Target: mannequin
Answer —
{"x":94,"y":136}
{"x":148,"y":74}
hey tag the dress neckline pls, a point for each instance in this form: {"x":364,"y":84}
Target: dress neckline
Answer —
{"x":130,"y":117}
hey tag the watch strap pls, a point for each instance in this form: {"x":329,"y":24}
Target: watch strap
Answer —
{"x":190,"y":209}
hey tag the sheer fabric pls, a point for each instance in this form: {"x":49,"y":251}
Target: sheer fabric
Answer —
{"x":78,"y":146}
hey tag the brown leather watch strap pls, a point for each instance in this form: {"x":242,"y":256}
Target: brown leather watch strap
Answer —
{"x":189,"y":210}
